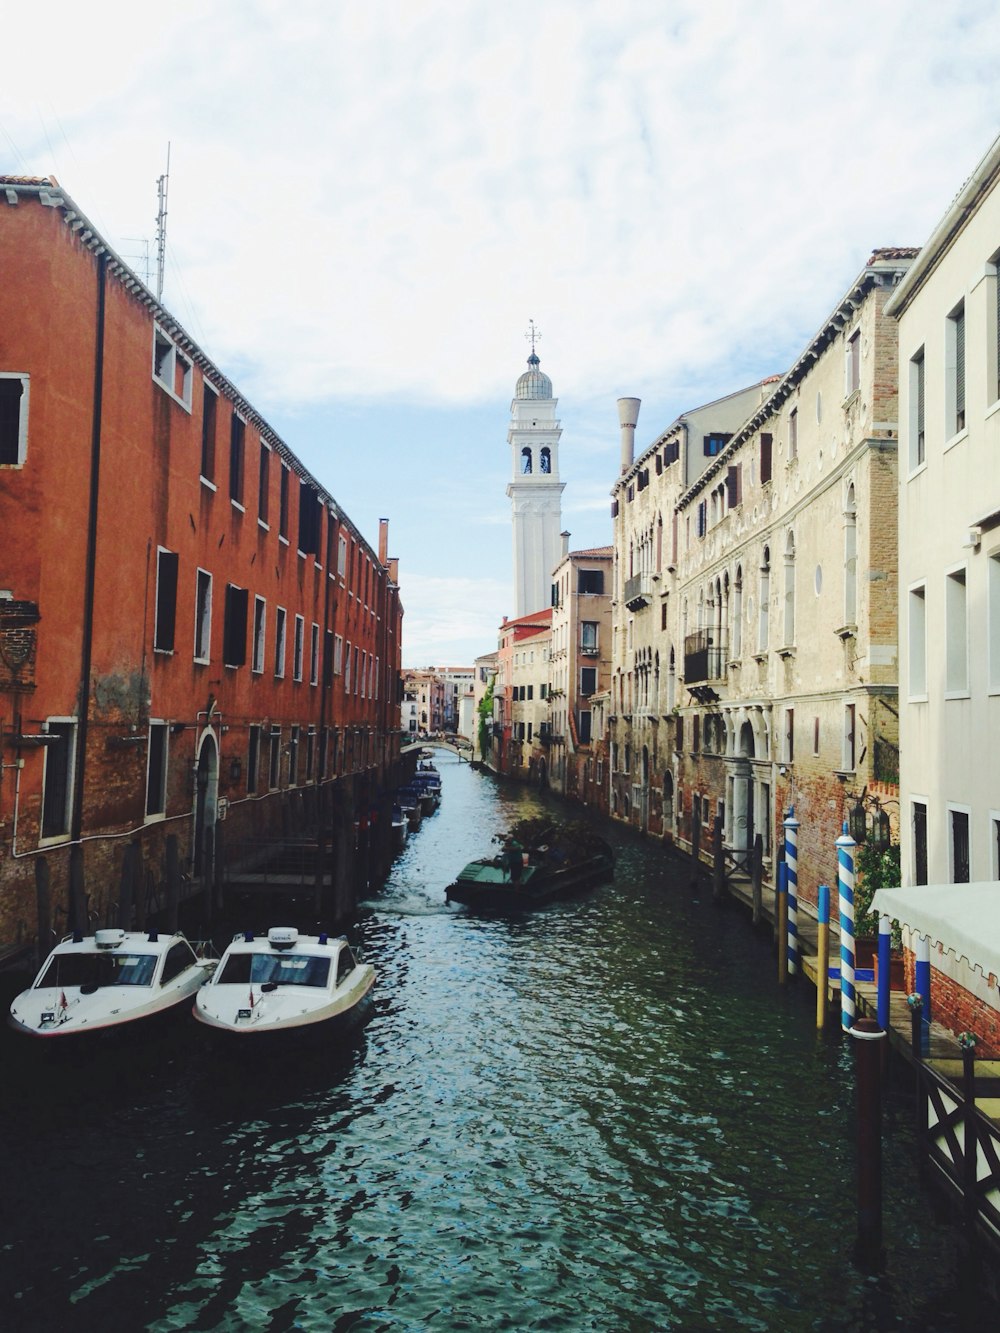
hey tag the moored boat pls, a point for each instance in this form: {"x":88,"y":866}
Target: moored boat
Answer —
{"x":400,"y":828}
{"x":540,"y":861}
{"x":283,"y":985}
{"x":112,"y":979}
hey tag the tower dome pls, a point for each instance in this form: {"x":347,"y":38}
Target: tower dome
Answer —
{"x":534,"y":383}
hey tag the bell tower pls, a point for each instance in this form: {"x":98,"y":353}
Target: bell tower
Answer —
{"x":535,"y":490}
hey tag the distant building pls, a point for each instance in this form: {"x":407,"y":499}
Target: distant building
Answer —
{"x":580,"y":665}
{"x":520,"y":695}
{"x":535,"y":490}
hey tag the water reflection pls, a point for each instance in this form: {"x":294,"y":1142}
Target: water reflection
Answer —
{"x":601,"y":1116}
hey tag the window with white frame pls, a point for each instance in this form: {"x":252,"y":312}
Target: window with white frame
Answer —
{"x":13,"y":419}
{"x":917,"y":640}
{"x":918,"y":822}
{"x":342,"y":555}
{"x":293,"y":757}
{"x":793,"y":435}
{"x":917,"y":441}
{"x":338,"y":654}
{"x":234,"y":638}
{"x":347,"y":668}
{"x":959,"y":843}
{"x":202,"y":616}
{"x":299,"y":647}
{"x":954,"y":364}
{"x":171,"y":368}
{"x":156,"y":770}
{"x":209,"y":415}
{"x":57,"y":781}
{"x":789,"y":754}
{"x":956,"y":619}
{"x":274,"y":758}
{"x":237,"y":458}
{"x":993,"y":620}
{"x":314,"y":655}
{"x":280,"y":622}
{"x":253,"y":759}
{"x":259,"y":626}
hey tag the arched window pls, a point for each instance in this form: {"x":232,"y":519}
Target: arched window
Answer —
{"x":546,"y":460}
{"x":671,"y":682}
{"x":790,"y":589}
{"x":763,"y":623}
{"x":525,"y":460}
{"x":736,"y":632}
{"x":850,"y":558}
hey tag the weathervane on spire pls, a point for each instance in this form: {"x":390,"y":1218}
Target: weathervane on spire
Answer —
{"x":533,"y":336}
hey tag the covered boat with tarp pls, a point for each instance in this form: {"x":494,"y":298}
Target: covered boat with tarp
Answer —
{"x":539,"y":860}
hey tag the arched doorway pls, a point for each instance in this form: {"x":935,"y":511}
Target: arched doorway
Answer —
{"x":206,"y":806}
{"x":741,"y":832}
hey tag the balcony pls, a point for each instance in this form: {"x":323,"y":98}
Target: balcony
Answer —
{"x":704,"y":659}
{"x":639,"y":591}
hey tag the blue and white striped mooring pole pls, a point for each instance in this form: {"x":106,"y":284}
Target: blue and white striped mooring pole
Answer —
{"x":845,"y":889}
{"x":884,"y":964}
{"x":791,"y":827}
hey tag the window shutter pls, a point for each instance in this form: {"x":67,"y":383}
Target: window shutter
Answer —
{"x":166,"y":600}
{"x":732,"y":492}
{"x":960,"y":370}
{"x":765,"y":458}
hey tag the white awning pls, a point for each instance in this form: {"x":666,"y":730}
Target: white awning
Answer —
{"x":964,"y":918}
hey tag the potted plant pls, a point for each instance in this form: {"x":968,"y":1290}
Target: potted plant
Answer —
{"x":876,"y":868}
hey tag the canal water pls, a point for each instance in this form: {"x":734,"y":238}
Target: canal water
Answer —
{"x":604,"y":1116}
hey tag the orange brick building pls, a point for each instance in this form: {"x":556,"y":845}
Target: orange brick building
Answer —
{"x":191,"y":629}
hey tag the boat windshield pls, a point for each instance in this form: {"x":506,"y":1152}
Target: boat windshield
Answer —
{"x":286,"y":970}
{"x":99,"y":969}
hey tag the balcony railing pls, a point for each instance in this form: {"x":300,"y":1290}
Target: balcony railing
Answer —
{"x":639,"y":591}
{"x":704,"y":659}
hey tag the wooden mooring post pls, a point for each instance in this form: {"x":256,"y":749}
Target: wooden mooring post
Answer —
{"x":757,"y":878}
{"x":718,"y":861}
{"x":695,"y":841}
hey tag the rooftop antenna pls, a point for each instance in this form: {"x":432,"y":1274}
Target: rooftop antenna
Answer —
{"x":161,"y":226}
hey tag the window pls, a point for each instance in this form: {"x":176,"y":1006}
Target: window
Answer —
{"x":274,"y":758}
{"x":852,"y":366}
{"x":347,"y":669}
{"x":815,"y":735}
{"x":166,"y":600}
{"x":171,"y":369}
{"x":13,"y":419}
{"x":763,"y":624}
{"x":850,"y":558}
{"x":765,"y":459}
{"x":179,"y":956}
{"x":253,"y":760}
{"x":293,"y":757}
{"x":734,"y":486}
{"x":715,"y":443}
{"x":202,"y":616}
{"x":793,"y":434}
{"x":917,"y":641}
{"x":959,"y":850}
{"x":919,"y":842}
{"x":956,"y":634}
{"x":280,"y":618}
{"x":338,"y":654}
{"x":297,"y":648}
{"x":314,"y":656}
{"x":209,"y":413}
{"x":993,"y":614}
{"x":237,"y":443}
{"x":60,"y":757}
{"x":546,"y":460}
{"x":736,"y":630}
{"x":156,"y":770}
{"x":588,"y":636}
{"x":954,"y":352}
{"x":789,"y":735}
{"x":702,"y":518}
{"x":525,"y":461}
{"x":310,"y":518}
{"x":916,"y":408}
{"x":590,"y":581}
{"x":259,"y":622}
{"x":262,"y":483}
{"x":790,"y":590}
{"x":283,"y":505}
{"x":850,"y":747}
{"x":583,"y":726}
{"x":234,"y":641}
{"x":342,"y":556}
{"x":588,"y":681}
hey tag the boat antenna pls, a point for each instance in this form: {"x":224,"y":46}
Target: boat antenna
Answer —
{"x":162,"y":186}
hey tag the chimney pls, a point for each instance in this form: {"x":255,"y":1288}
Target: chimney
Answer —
{"x":565,"y":544}
{"x":394,"y":569}
{"x":383,"y":541}
{"x":628,"y":415}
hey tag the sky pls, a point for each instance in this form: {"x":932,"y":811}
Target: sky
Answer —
{"x":369,"y":201}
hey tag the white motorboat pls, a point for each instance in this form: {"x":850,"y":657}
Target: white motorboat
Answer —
{"x":283,"y":984}
{"x":111,"y":979}
{"x":400,"y":828}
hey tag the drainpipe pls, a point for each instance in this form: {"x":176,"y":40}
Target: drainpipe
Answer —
{"x":80,"y":764}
